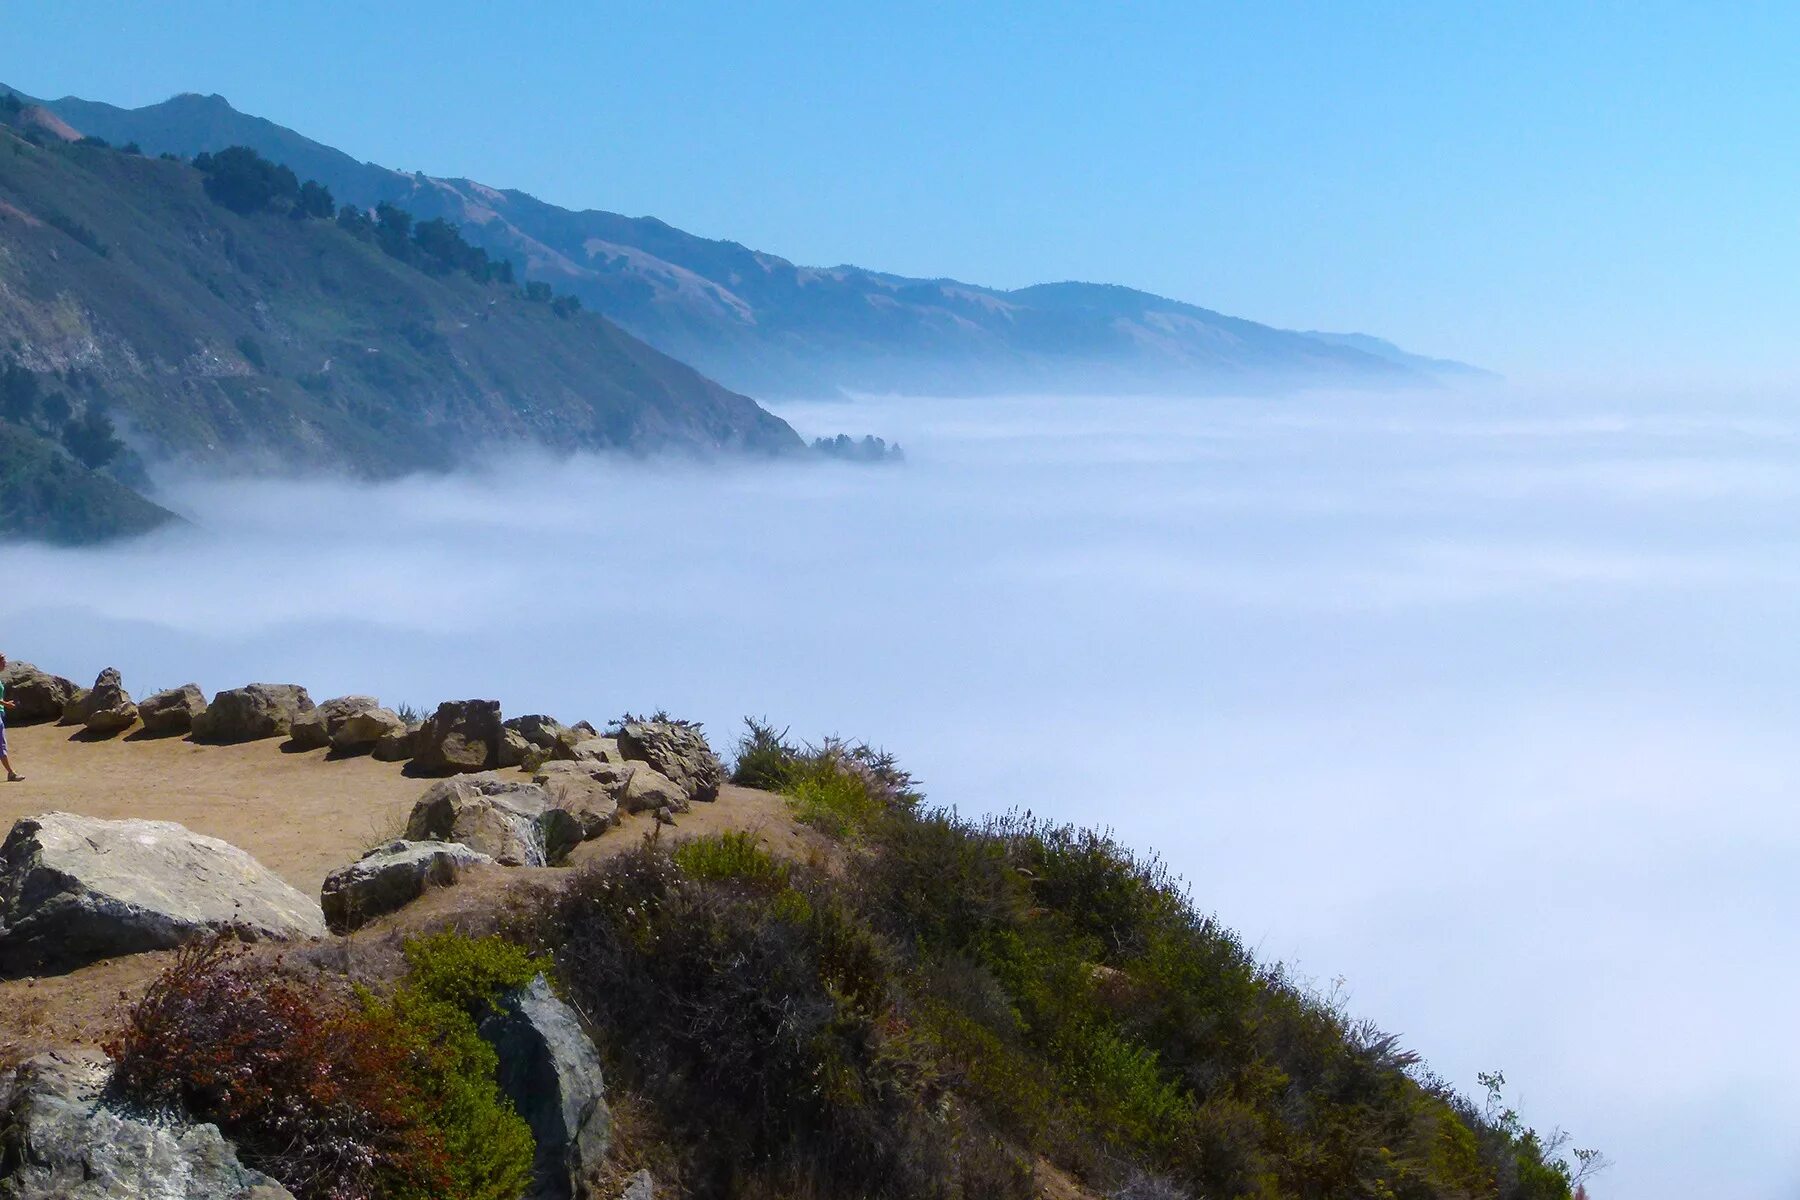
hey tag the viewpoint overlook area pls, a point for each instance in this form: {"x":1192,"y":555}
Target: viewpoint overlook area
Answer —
{"x":597,"y":963}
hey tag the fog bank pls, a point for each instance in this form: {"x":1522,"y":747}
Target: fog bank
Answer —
{"x":1484,"y":705}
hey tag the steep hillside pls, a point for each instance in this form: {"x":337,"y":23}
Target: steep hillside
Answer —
{"x":260,"y":334}
{"x":760,"y":322}
{"x":46,"y":495}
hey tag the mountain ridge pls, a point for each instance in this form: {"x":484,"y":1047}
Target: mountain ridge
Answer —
{"x":222,"y":335}
{"x":759,"y":322}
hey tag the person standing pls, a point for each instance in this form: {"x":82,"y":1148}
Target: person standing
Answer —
{"x":6,"y":705}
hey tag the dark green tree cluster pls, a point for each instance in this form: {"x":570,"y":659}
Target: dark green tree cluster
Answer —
{"x":435,"y":246}
{"x":88,"y":435}
{"x":242,"y":180}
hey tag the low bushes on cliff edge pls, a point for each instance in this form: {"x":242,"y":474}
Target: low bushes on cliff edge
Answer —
{"x":340,"y":1095}
{"x":1067,"y":994}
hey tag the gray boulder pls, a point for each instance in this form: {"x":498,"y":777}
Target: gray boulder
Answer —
{"x":514,"y":822}
{"x":76,"y":889}
{"x":575,"y":788}
{"x":396,"y":745}
{"x":634,"y":787}
{"x":677,"y":750}
{"x":641,"y":1186}
{"x":580,"y":746}
{"x":363,"y":729}
{"x":390,"y":877}
{"x":252,"y":712}
{"x":513,"y":749}
{"x":172,"y":711}
{"x":74,"y":709}
{"x":550,"y":1070}
{"x":107,"y":706}
{"x":537,"y":729}
{"x":314,"y":730}
{"x":64,"y":1138}
{"x":36,"y":695}
{"x":461,"y":736}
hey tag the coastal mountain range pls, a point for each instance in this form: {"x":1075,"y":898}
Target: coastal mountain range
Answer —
{"x":219,"y":316}
{"x":764,"y":325}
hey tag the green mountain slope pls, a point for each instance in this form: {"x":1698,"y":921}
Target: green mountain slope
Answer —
{"x":47,"y":496}
{"x":759,"y":321}
{"x":261,"y":340}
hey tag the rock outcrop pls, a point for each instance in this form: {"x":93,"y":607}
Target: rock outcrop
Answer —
{"x":36,"y":695}
{"x":461,"y":736}
{"x":252,"y":712}
{"x":396,"y":745}
{"x":677,"y":750}
{"x":602,"y":787}
{"x":514,"y":822}
{"x":172,"y":711}
{"x":63,"y":1138}
{"x":578,"y":789}
{"x":551,"y":1072}
{"x":107,"y":707}
{"x":313,"y":730}
{"x":76,"y":889}
{"x":365,"y":728}
{"x":389,"y":877}
{"x":537,"y":729}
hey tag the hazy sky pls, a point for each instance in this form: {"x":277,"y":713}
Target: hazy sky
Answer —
{"x":1587,"y":190}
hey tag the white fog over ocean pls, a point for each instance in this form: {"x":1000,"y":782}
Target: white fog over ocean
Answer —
{"x":1485,"y":705}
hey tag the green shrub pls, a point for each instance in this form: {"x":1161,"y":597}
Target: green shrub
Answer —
{"x":339,"y":1097}
{"x":730,"y":856}
{"x":450,"y":979}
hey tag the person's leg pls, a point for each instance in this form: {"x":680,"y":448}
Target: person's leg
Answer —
{"x":12,"y":776}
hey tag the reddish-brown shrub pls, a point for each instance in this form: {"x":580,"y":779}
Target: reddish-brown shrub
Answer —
{"x":312,"y":1087}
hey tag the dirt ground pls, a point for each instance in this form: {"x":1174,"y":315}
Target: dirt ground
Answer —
{"x":299,"y":814}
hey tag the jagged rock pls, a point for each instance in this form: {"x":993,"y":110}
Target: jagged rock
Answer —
{"x":578,"y":745}
{"x":36,"y":695}
{"x":396,"y":745}
{"x":75,"y":889}
{"x":575,"y":788}
{"x":314,"y":730}
{"x":677,"y":750}
{"x":246,"y":714}
{"x":107,"y":706}
{"x":367,"y":727}
{"x":641,"y":1186}
{"x":550,"y":1070}
{"x":172,"y":711}
{"x":514,"y":822}
{"x":308,"y":731}
{"x":74,"y":709}
{"x":462,"y":735}
{"x":390,"y":877}
{"x":635,"y":787}
{"x":537,"y":729}
{"x":513,"y":748}
{"x":65,"y":1139}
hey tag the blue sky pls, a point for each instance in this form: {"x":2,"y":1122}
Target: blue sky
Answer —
{"x":1601,"y":192}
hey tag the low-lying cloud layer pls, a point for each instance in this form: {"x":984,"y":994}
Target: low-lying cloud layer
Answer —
{"x":1485,"y":706}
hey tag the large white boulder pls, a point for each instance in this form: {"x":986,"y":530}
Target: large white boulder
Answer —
{"x":75,"y":889}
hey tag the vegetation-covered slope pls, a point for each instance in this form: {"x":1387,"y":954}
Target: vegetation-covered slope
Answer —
{"x":47,"y":495}
{"x":227,"y":332}
{"x":758,"y":321}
